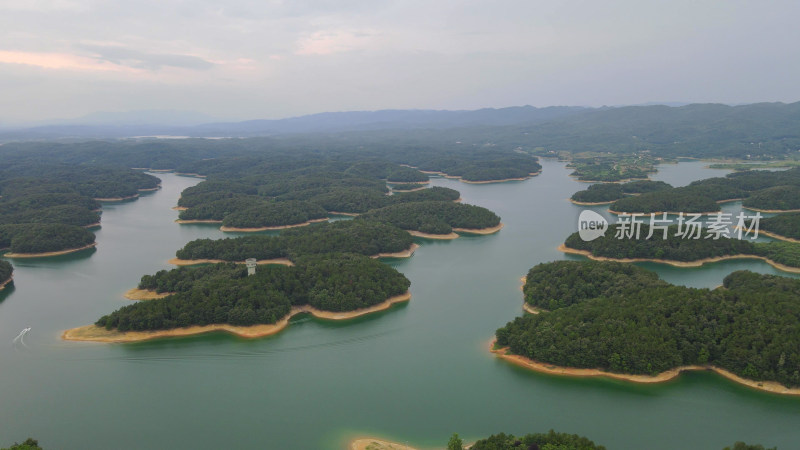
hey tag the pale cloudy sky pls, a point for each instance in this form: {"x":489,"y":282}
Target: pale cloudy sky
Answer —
{"x":241,"y":59}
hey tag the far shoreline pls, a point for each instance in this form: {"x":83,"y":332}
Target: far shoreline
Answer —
{"x":192,"y":262}
{"x":551,"y":369}
{"x":696,"y":263}
{"x":771,"y":211}
{"x":93,"y":333}
{"x":46,"y":254}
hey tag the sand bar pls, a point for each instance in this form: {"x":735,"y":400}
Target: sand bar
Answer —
{"x":696,"y":263}
{"x":488,"y":230}
{"x":768,"y":386}
{"x":145,"y":294}
{"x":277,"y":227}
{"x":192,"y":262}
{"x":46,"y":254}
{"x":4,"y":283}
{"x":99,"y":334}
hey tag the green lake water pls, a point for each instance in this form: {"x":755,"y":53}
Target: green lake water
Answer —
{"x":416,"y":373}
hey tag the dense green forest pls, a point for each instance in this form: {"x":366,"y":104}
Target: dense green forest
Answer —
{"x":434,"y":217}
{"x":758,"y":189}
{"x":6,"y":269}
{"x":787,"y":225}
{"x":274,"y":213}
{"x":224,"y":293}
{"x":538,"y":441}
{"x":635,"y":323}
{"x":43,"y":237}
{"x":779,"y":198}
{"x":407,"y":187}
{"x":348,"y":236}
{"x":685,"y":249}
{"x":44,"y":206}
{"x":609,"y":192}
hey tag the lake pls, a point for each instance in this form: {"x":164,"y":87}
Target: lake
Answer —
{"x":416,"y":373}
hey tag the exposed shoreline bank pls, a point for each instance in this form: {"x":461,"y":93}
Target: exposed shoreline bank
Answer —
{"x":407,"y":253}
{"x":116,"y":199}
{"x":4,"y":283}
{"x":276,"y":227}
{"x":521,"y":361}
{"x":93,"y":333}
{"x":454,"y":234}
{"x":46,"y":254}
{"x":771,"y":211}
{"x":778,"y":236}
{"x":696,"y":263}
{"x":144,"y":294}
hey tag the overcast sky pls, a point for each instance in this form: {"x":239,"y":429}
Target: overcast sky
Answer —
{"x":243,"y":59}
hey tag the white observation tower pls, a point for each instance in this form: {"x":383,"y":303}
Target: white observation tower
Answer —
{"x":251,"y":266}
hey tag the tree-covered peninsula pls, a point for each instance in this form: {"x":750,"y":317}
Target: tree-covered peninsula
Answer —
{"x":683,"y":250}
{"x":610,"y":192}
{"x":622,"y":319}
{"x":782,"y":225}
{"x":758,"y":189}
{"x":551,"y":440}
{"x":36,"y":238}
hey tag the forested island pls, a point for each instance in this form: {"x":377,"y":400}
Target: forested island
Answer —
{"x":6,"y":271}
{"x":605,"y":168}
{"x":605,"y":193}
{"x":437,"y":218}
{"x":364,"y":237}
{"x":614,"y":319}
{"x":761,"y":190}
{"x":45,"y":209}
{"x":223,"y":297}
{"x":682,"y":251}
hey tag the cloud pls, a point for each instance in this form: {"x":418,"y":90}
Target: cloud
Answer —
{"x":329,"y":42}
{"x":123,"y":56}
{"x":57,"y":61}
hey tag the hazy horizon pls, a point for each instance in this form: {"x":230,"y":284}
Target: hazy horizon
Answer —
{"x":64,"y":59}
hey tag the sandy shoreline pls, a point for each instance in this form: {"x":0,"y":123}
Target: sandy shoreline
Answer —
{"x":150,"y":189}
{"x":647,"y":214}
{"x":337,"y":213}
{"x":4,"y":283}
{"x":432,"y":236}
{"x":92,"y":225}
{"x":277,"y":227}
{"x":117,"y":199}
{"x":144,"y":294}
{"x":403,"y":254}
{"x":192,"y":262}
{"x":696,"y":263}
{"x":531,"y":309}
{"x":575,"y":202}
{"x":768,"y":386}
{"x":180,"y":208}
{"x":46,"y":254}
{"x":400,"y":191}
{"x":771,"y":211}
{"x":777,"y":236}
{"x":408,"y":182}
{"x":488,"y":230}
{"x":376,"y":444}
{"x":182,"y":221}
{"x":94,"y":333}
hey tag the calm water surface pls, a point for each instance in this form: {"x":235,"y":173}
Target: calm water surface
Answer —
{"x":415,"y":374}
